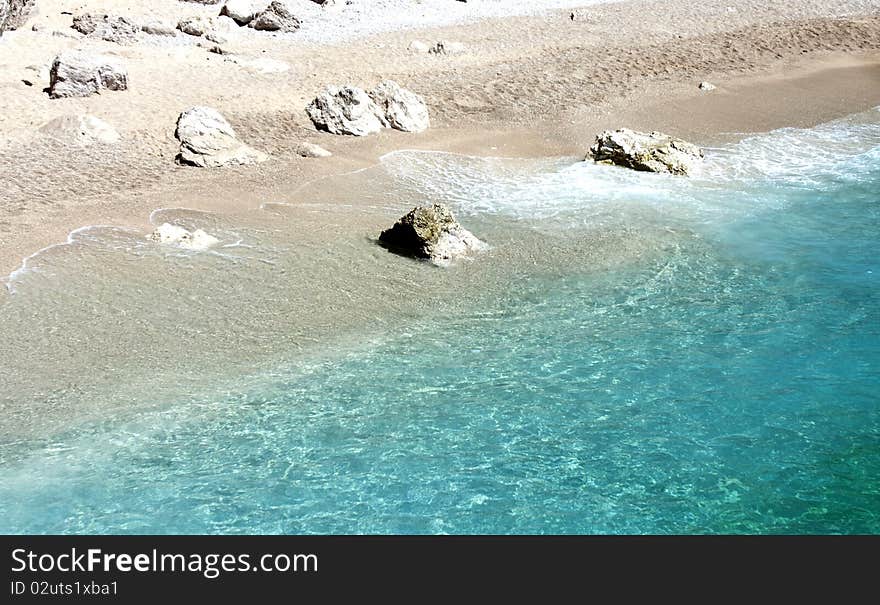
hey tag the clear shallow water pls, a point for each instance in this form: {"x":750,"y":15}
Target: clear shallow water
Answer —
{"x":728,"y":380}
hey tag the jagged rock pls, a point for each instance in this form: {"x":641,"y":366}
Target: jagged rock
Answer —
{"x":346,"y":110}
{"x":310,"y":150}
{"x":207,"y":140}
{"x":707,"y":86}
{"x":243,"y":11}
{"x":13,"y":13}
{"x":195,"y":26}
{"x":106,"y":27}
{"x":431,"y":232}
{"x":276,"y":17}
{"x":652,"y":152}
{"x":175,"y":235}
{"x":82,"y":129}
{"x":79,"y":74}
{"x":402,"y":108}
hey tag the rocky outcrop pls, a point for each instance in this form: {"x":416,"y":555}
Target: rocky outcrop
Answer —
{"x":431,"y":232}
{"x":276,"y":17}
{"x":346,"y":110}
{"x":351,"y":110}
{"x":80,"y":74}
{"x":208,"y":141}
{"x":403,"y":109}
{"x":195,"y":26}
{"x":651,"y":152}
{"x":13,"y":13}
{"x":82,"y":130}
{"x":106,"y":27}
{"x":175,"y":235}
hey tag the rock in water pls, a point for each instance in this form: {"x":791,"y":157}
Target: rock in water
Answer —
{"x":346,"y":110}
{"x":81,"y":130}
{"x":402,"y":108}
{"x":208,"y":141}
{"x":431,"y":232}
{"x":79,"y":74}
{"x":654,"y":152}
{"x":276,"y":17}
{"x":175,"y":235}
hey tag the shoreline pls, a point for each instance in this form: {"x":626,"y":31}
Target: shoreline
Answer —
{"x":804,"y":94}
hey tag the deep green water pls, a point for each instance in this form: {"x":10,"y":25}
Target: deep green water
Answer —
{"x":730,"y":384}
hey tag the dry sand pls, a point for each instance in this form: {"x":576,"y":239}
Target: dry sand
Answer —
{"x":527,"y":86}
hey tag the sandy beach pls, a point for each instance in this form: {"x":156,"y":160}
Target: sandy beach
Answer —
{"x":540,"y":84}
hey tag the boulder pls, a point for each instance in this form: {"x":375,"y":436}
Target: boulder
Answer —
{"x":80,"y":74}
{"x":275,"y":17}
{"x":652,"y":152}
{"x":402,"y":109}
{"x":346,"y":110}
{"x":431,"y":232}
{"x":82,"y":129}
{"x":208,"y":141}
{"x":13,"y":13}
{"x":243,"y":11}
{"x":106,"y":27}
{"x":310,"y":150}
{"x":195,"y":26}
{"x":175,"y":235}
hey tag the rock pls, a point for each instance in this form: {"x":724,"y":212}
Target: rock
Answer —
{"x":158,"y":28}
{"x":195,"y":26}
{"x":13,"y":13}
{"x":431,"y":232}
{"x":402,"y":108}
{"x":208,"y":141}
{"x":707,"y":86}
{"x":79,"y":74}
{"x":417,"y":46}
{"x":106,"y":27}
{"x":346,"y":110}
{"x":276,"y":17}
{"x":310,"y":150}
{"x":447,"y":48}
{"x":654,"y":152}
{"x":243,"y":11}
{"x":82,"y":129}
{"x":175,"y":235}
{"x":215,"y":37}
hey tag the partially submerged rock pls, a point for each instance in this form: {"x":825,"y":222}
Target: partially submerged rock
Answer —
{"x":403,"y":109}
{"x":80,"y":74}
{"x":207,"y":140}
{"x":175,"y":235}
{"x":346,"y":110}
{"x":431,"y":232}
{"x":275,"y":17}
{"x":651,"y":152}
{"x":81,"y":129}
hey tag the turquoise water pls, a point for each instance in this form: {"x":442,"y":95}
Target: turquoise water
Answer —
{"x":730,"y":384}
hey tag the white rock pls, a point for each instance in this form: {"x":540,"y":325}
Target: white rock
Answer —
{"x":207,"y":140}
{"x":196,"y":26}
{"x":243,"y":11}
{"x":402,"y":108}
{"x":82,"y":129}
{"x":175,"y":235}
{"x":444,"y":47}
{"x":651,"y":152}
{"x":707,"y":86}
{"x":77,"y":73}
{"x":417,"y":46}
{"x":346,"y":110}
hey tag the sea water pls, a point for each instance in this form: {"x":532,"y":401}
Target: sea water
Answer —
{"x":722,"y":376}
